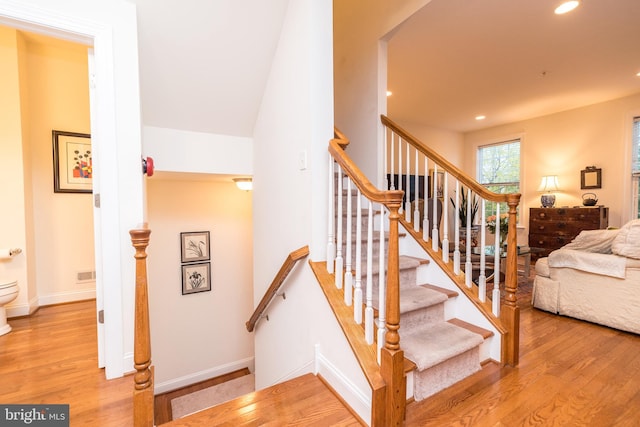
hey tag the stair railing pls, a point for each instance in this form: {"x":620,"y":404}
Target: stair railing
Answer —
{"x":143,"y":378}
{"x":387,"y":409}
{"x":275,"y":286}
{"x":427,"y":176}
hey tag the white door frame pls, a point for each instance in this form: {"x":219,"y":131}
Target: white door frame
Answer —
{"x":110,"y":27}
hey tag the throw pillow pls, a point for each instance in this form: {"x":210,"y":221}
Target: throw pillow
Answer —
{"x":627,"y":242}
{"x":598,"y":241}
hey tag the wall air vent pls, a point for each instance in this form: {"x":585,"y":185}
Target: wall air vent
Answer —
{"x":86,"y":276}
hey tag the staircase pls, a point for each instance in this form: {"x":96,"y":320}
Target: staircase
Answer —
{"x":442,"y":350}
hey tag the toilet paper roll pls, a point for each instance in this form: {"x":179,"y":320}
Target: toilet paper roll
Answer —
{"x":9,"y":253}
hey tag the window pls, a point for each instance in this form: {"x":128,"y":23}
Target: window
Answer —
{"x":635,"y":168}
{"x":499,"y":170}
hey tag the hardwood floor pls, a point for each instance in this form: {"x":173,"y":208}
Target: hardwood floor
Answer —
{"x":51,"y":358}
{"x":570,"y":373}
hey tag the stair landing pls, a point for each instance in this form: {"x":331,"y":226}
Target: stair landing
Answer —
{"x":302,"y":401}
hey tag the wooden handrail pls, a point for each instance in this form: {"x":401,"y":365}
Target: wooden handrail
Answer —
{"x":278,"y":280}
{"x":143,"y":378}
{"x":388,"y":403}
{"x":477,"y":188}
{"x":509,"y":314}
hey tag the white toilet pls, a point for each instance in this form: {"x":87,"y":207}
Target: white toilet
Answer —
{"x":8,"y":292}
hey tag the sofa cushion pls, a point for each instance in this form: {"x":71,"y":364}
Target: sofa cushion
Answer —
{"x":627,"y":242}
{"x":542,"y":267}
{"x":599,"y":241}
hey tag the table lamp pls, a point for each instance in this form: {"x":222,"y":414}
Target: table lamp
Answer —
{"x":548,"y":185}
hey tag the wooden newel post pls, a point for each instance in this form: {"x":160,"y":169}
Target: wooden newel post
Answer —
{"x":143,"y":378}
{"x":392,"y":357}
{"x":510,"y":313}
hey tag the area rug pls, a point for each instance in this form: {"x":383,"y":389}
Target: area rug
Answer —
{"x":212,"y":396}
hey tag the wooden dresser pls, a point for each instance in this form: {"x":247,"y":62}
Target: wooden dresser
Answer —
{"x":552,"y":228}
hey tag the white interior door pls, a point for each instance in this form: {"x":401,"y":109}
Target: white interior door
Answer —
{"x":97,"y":234}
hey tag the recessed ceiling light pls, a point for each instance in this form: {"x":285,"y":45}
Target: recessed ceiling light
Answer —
{"x":389,"y":93}
{"x":567,"y":6}
{"x":638,"y":74}
{"x":481,"y":117}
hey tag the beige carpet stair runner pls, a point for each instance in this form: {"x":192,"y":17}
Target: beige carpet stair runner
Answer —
{"x":212,"y":396}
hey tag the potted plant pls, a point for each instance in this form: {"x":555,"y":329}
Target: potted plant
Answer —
{"x":462,"y":215}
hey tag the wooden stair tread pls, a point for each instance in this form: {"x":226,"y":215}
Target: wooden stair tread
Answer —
{"x":450,"y":293}
{"x":485,"y":333}
{"x":304,"y":400}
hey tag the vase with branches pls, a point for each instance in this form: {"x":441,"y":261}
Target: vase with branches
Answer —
{"x":462,"y":215}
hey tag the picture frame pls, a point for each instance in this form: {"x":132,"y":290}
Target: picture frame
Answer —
{"x":590,"y":177}
{"x":194,"y":246}
{"x":196,"y":278}
{"x":72,"y":162}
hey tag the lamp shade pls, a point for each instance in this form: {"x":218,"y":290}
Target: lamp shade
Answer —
{"x":549,"y":184}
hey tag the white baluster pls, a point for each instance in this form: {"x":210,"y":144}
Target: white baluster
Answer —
{"x":348,"y":275}
{"x":357,"y":293}
{"x":416,"y":193}
{"x":456,"y":235}
{"x":331,"y":244}
{"x":495,"y":295}
{"x":445,"y":218}
{"x":425,"y":214}
{"x":339,"y":260}
{"x":482,"y":279}
{"x":393,"y":164}
{"x":382,"y":287}
{"x":468,"y":266}
{"x":407,"y":188}
{"x":368,"y":312}
{"x":435,"y":237}
{"x":400,"y":169}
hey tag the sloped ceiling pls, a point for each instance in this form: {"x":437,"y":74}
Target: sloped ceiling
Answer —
{"x":510,"y":60}
{"x":204,"y":63}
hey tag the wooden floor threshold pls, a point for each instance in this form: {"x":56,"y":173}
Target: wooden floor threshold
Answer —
{"x":302,"y":401}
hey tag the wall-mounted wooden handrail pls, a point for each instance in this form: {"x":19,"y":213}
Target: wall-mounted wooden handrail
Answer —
{"x":278,"y":280}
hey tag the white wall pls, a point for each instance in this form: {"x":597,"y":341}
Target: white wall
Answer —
{"x":202,"y":335}
{"x":360,"y":27}
{"x":58,"y":91}
{"x":565,"y":143}
{"x":296,"y":116}
{"x":198,"y":152}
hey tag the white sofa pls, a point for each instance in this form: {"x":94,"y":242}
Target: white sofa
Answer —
{"x":596,"y":278}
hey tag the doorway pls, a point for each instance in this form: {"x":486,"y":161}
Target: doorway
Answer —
{"x":115,"y":124}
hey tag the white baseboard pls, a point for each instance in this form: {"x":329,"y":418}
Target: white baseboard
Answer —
{"x":62,"y":297}
{"x":195,"y":377}
{"x":358,"y":400}
{"x":22,"y":309}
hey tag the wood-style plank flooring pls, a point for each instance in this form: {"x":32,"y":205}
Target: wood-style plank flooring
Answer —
{"x":51,"y":357}
{"x":570,"y":373}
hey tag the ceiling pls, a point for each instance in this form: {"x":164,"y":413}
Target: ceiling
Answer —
{"x":510,"y":60}
{"x":204,"y":64}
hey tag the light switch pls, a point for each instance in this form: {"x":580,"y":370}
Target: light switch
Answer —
{"x":302,"y":160}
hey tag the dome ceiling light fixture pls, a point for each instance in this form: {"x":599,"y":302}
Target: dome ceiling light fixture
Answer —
{"x":566,"y":7}
{"x":245,"y":184}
